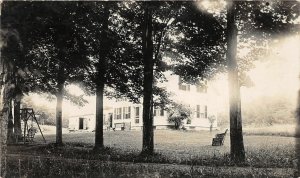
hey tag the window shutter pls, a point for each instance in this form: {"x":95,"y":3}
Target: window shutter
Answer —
{"x":129,"y":112}
{"x":198,"y":111}
{"x":137,"y":112}
{"x":161,"y":112}
{"x":124,"y":114}
{"x":115,"y":110}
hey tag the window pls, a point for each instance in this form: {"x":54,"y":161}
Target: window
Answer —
{"x":137,"y":121}
{"x":202,"y":88}
{"x":126,"y":112}
{"x":198,"y":111}
{"x":201,"y":112}
{"x":161,"y":112}
{"x":137,"y":112}
{"x":155,"y":112}
{"x":158,"y":112}
{"x":184,"y":87}
{"x":117,"y":113}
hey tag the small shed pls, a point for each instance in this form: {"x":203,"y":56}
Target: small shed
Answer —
{"x":82,"y":122}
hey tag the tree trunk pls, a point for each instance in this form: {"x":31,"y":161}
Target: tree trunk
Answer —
{"x":148,"y":137}
{"x":4,"y":107}
{"x":10,"y":125}
{"x":3,"y":129}
{"x":236,"y":134}
{"x":100,"y":80}
{"x":297,"y":173}
{"x":59,"y":97}
{"x":99,"y":117}
{"x":17,"y":120}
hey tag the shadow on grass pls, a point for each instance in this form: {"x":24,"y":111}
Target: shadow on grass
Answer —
{"x":255,"y":158}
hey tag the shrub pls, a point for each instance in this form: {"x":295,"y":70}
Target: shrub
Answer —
{"x":178,"y":113}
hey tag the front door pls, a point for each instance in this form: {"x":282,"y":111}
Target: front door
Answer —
{"x":110,"y":120}
{"x":81,"y":123}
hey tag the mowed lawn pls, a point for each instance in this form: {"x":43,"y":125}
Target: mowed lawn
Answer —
{"x":261,"y":151}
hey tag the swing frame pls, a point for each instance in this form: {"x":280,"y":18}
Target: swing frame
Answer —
{"x":29,"y":133}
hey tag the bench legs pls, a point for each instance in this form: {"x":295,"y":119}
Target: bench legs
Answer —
{"x":217,"y":142}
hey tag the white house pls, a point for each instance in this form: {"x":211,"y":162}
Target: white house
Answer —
{"x":124,"y":115}
{"x":128,"y":115}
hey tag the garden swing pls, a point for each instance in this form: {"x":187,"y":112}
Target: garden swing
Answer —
{"x":29,"y":132}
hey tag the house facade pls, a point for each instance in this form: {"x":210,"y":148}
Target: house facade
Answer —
{"x":128,"y":116}
{"x":125,"y":115}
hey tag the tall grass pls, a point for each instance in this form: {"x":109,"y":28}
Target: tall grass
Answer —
{"x":58,"y":167}
{"x":190,"y":153}
{"x":280,"y":156}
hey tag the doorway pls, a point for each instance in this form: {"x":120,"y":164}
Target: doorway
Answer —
{"x":81,"y":123}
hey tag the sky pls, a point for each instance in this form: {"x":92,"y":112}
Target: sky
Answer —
{"x":275,"y":75}
{"x":279,"y":74}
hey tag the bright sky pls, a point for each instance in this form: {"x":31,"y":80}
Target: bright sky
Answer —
{"x":279,"y":73}
{"x":274,"y":75}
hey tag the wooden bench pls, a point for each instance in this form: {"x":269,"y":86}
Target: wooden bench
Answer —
{"x":219,"y":139}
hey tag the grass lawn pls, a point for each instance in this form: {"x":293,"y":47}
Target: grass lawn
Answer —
{"x":183,"y":146}
{"x":188,"y":149}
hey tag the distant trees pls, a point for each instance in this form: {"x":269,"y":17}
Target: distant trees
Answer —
{"x":47,"y":114}
{"x":267,"y":111}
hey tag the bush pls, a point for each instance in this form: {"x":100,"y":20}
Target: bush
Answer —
{"x":178,"y":113}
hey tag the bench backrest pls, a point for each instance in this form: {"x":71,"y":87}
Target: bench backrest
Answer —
{"x":221,"y":135}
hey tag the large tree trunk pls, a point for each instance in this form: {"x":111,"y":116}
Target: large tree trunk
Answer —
{"x":4,"y":107}
{"x":17,"y":120}
{"x":59,"y":100}
{"x":236,"y":134}
{"x":148,"y":137}
{"x":10,"y":125}
{"x":99,"y":117}
{"x":100,"y":80}
{"x":297,"y":173}
{"x":3,"y":129}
